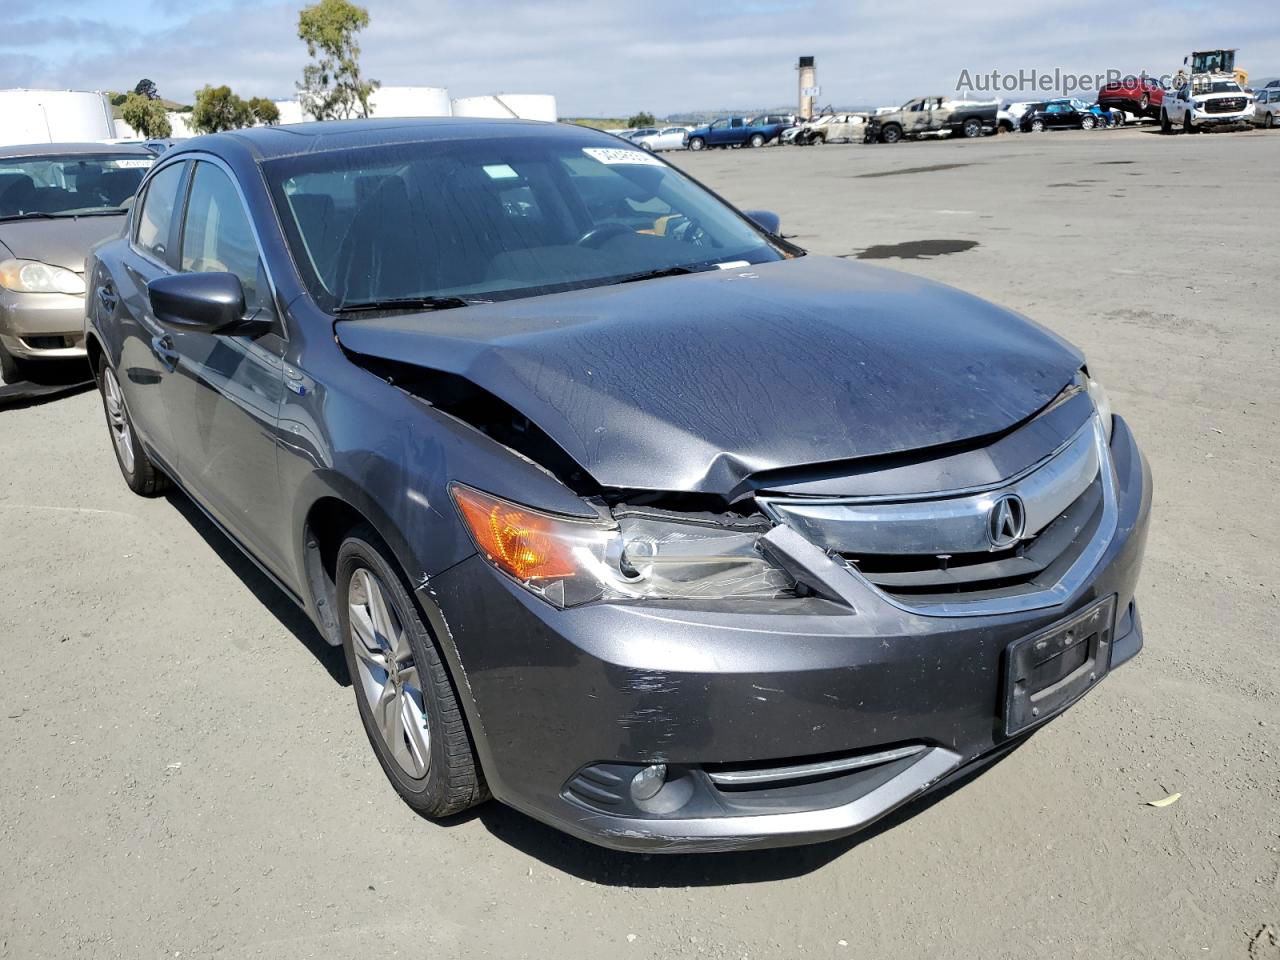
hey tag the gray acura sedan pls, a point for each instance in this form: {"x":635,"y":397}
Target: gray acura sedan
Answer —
{"x":626,"y":510}
{"x":56,"y":201}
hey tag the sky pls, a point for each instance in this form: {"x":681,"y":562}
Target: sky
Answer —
{"x":609,"y":59}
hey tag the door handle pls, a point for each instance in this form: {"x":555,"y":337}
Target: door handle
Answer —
{"x":107,"y":296}
{"x":162,"y":346}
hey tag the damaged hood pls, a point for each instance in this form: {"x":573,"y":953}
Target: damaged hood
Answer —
{"x":694,"y":383}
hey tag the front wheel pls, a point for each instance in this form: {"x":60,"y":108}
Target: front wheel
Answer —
{"x":141,"y":475}
{"x":972,"y":128}
{"x":1269,"y":121}
{"x":891,"y":133}
{"x":1165,"y":125}
{"x":757,"y":140}
{"x":697,"y":143}
{"x":1187,"y":126}
{"x":1086,"y":123}
{"x":403,"y":692}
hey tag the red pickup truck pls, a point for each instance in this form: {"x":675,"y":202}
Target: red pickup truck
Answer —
{"x":1141,"y":95}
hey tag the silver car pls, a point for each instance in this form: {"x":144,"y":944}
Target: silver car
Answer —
{"x":56,"y":201}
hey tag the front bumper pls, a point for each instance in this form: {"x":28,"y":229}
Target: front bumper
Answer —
{"x":552,"y":694}
{"x":42,"y":325}
{"x":1202,"y":119}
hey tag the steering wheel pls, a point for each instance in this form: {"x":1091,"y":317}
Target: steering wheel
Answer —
{"x":596,"y":236}
{"x":690,"y":231}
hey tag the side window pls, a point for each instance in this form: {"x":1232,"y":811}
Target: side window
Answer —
{"x":216,"y":235}
{"x":735,"y":122}
{"x":156,"y":215}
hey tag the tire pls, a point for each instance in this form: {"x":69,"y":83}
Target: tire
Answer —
{"x":1268,"y":121}
{"x":1165,"y":126}
{"x":697,"y":143}
{"x":1144,"y":105}
{"x":819,"y":140}
{"x":1086,"y":123}
{"x":647,"y":146}
{"x":1187,"y":126}
{"x":890,"y":133}
{"x":12,"y":369}
{"x":140,"y":475}
{"x":1037,"y":126}
{"x":434,"y":768}
{"x":757,"y":140}
{"x":972,"y":128}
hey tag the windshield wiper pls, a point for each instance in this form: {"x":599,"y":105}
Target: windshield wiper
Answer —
{"x":405,"y":303}
{"x":656,"y":274}
{"x":63,"y":215}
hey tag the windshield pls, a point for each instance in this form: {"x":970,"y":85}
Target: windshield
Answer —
{"x":68,"y":186}
{"x":497,"y":218}
{"x":1216,"y":86}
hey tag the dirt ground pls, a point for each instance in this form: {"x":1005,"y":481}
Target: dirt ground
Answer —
{"x":182,"y":772}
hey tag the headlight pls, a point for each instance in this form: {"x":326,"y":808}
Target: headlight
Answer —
{"x":32,"y":276}
{"x":1101,"y":402}
{"x":571,"y":562}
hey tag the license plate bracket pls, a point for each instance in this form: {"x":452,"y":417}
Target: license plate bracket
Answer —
{"x":1048,"y":671}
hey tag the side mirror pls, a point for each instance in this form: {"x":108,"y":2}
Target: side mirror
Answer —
{"x":766,"y":220}
{"x":200,"y":302}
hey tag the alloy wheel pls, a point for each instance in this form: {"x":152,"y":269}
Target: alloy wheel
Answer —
{"x":388,"y":676}
{"x":117,"y":419}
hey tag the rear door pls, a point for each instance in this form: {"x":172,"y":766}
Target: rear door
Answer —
{"x":230,"y":387}
{"x":144,"y":363}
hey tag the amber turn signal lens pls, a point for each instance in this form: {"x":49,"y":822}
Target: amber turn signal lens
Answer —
{"x":521,"y":542}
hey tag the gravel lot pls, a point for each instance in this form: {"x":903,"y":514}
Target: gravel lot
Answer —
{"x":182,"y":772}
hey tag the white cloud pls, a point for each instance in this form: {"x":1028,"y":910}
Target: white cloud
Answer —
{"x":603,"y":58}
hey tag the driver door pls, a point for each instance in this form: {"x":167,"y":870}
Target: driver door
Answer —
{"x":228,"y":388}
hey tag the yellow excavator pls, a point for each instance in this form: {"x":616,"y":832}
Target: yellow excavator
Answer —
{"x":1203,"y":62}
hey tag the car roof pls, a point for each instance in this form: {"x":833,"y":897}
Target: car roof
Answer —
{"x":268,"y":143}
{"x":70,"y":149}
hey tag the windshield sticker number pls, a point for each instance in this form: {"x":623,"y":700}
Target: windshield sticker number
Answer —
{"x":613,"y":156}
{"x":140,"y":163}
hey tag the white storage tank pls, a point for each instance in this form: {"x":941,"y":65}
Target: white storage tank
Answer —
{"x":291,"y":111}
{"x":54,"y":116}
{"x":525,"y":106}
{"x":410,"y":102}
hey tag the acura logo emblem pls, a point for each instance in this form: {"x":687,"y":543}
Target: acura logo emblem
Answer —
{"x":1006,"y":522}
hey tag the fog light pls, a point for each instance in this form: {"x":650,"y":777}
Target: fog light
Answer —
{"x":646,"y":784}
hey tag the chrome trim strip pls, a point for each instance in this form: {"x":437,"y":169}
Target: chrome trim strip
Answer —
{"x":946,"y":523}
{"x":822,"y":768}
{"x":1060,"y":592}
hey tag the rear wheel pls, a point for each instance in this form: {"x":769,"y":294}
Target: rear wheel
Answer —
{"x":697,"y":143}
{"x":403,"y":691}
{"x":141,"y":475}
{"x":757,"y":140}
{"x":1144,"y":104}
{"x":972,"y":128}
{"x":1037,"y":126}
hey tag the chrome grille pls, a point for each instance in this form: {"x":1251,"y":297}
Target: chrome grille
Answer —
{"x":1225,"y":105}
{"x":940,"y":550}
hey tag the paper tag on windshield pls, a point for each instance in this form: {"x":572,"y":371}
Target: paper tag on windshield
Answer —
{"x":614,"y":155}
{"x":132,"y":163}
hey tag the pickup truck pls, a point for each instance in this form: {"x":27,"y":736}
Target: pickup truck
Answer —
{"x":1212,"y":100}
{"x":933,"y":116}
{"x":736,"y":132}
